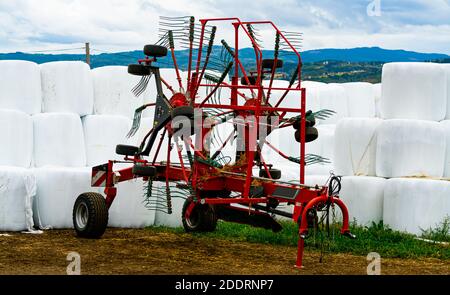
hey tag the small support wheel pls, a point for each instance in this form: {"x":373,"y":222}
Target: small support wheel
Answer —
{"x":90,"y":215}
{"x":202,"y":218}
{"x":126,"y":150}
{"x":269,"y":63}
{"x":311,"y":134}
{"x":138,"y":70}
{"x":155,"y":50}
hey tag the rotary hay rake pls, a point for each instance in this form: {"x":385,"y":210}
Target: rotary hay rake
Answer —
{"x":213,"y":185}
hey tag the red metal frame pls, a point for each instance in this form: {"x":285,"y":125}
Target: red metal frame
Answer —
{"x":204,"y":177}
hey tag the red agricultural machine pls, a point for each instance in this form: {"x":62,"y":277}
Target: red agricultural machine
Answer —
{"x":216,"y":186}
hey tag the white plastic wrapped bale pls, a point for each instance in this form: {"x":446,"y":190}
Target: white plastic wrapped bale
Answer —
{"x":446,"y":125}
{"x":16,"y":138}
{"x":17,"y":189}
{"x":377,"y":91}
{"x":413,"y":91}
{"x":102,"y":133}
{"x":67,"y":87}
{"x":414,"y":204}
{"x":128,"y":209}
{"x":447,"y":71}
{"x":58,"y":140}
{"x":322,"y":146}
{"x":333,"y":97}
{"x":14,"y":75}
{"x":57,"y":190}
{"x":355,"y":146}
{"x":361,"y":99}
{"x":363,"y":196}
{"x":112,"y":91}
{"x":410,"y":148}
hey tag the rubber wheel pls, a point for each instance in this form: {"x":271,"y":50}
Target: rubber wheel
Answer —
{"x":251,"y":79}
{"x":138,"y":70}
{"x":141,"y":170}
{"x":90,"y":215}
{"x":202,"y":218}
{"x":310,"y":135}
{"x":126,"y":150}
{"x":186,"y":111}
{"x":268,"y":63}
{"x":308,"y":123}
{"x":155,"y":50}
{"x":275,"y":173}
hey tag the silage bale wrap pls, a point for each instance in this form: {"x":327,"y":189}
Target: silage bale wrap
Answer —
{"x":58,"y":140}
{"x":446,"y":68}
{"x":101,"y":134}
{"x":324,"y":147}
{"x":363,"y":196}
{"x":112,"y":91}
{"x":333,"y":97}
{"x":414,"y":205}
{"x":17,"y":190}
{"x":377,"y":92}
{"x":410,"y":148}
{"x":355,"y":146}
{"x":16,"y":138}
{"x":20,"y":85}
{"x":414,"y":91}
{"x":67,"y":87}
{"x":360,"y":99}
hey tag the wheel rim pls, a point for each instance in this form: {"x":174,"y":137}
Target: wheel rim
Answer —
{"x":82,"y":215}
{"x":193,"y":219}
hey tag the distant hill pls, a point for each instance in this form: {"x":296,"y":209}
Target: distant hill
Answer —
{"x":327,"y":65}
{"x":363,"y":54}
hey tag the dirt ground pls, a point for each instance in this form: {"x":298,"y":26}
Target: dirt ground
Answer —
{"x":127,"y":251}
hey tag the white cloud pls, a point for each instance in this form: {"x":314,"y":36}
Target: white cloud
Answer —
{"x":117,"y":25}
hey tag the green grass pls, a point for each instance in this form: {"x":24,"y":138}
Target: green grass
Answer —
{"x":440,"y":233}
{"x":376,"y":238}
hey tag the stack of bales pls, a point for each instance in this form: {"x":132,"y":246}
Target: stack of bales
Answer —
{"x":382,"y":159}
{"x":66,"y":120}
{"x":20,"y":97}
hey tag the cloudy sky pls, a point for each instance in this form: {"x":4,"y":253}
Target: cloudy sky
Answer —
{"x":120,"y":25}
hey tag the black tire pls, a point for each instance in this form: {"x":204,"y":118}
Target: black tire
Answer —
{"x":148,"y":171}
{"x":90,"y":215}
{"x":202,"y":218}
{"x":275,"y":173}
{"x":251,"y":79}
{"x":155,"y":50}
{"x":138,"y":70}
{"x":308,"y":123}
{"x":186,"y":111}
{"x":126,"y":150}
{"x":310,"y":135}
{"x":268,"y":63}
